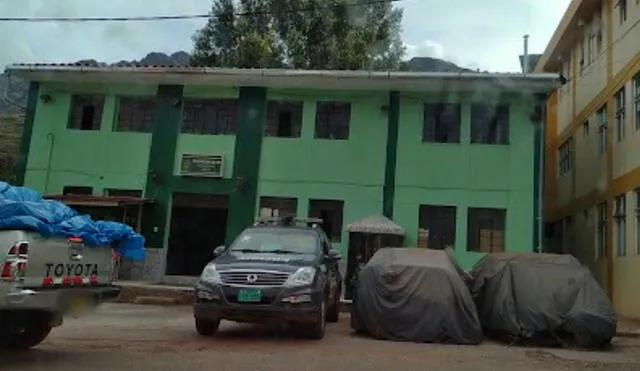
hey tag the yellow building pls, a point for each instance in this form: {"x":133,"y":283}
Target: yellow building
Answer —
{"x":592,"y":190}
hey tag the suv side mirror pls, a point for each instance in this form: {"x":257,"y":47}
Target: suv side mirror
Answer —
{"x":334,"y":255}
{"x":219,"y":251}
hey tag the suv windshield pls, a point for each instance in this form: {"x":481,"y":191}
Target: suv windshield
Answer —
{"x":279,"y":241}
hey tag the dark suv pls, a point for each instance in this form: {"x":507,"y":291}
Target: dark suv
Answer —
{"x":274,"y":272}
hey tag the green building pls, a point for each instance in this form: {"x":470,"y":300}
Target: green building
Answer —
{"x":451,"y":158}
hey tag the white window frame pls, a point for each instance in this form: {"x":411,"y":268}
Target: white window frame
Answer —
{"x":620,"y":218}
{"x":620,"y":98}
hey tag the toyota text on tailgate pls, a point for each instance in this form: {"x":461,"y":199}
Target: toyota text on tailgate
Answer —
{"x":44,"y":279}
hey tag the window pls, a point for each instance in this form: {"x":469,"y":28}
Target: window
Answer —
{"x":582,"y":61}
{"x":636,"y":100}
{"x":585,"y":128}
{"x":620,"y":217}
{"x":331,"y":213}
{"x":485,"y":230}
{"x":332,"y":120}
{"x":602,"y":129}
{"x":489,"y":124}
{"x":436,"y":227}
{"x":284,"y":119}
{"x":278,"y":206}
{"x":637,"y":212}
{"x":565,"y":156}
{"x":441,"y":123}
{"x":622,"y":9}
{"x":86,"y":112}
{"x":77,"y":190}
{"x":598,"y":44}
{"x":135,"y":114}
{"x":113,"y":192}
{"x":620,"y":98}
{"x":601,"y":235}
{"x":210,"y":116}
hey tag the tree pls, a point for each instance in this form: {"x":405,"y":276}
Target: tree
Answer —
{"x":301,"y":34}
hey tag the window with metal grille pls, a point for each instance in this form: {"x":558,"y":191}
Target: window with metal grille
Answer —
{"x":210,"y":116}
{"x":77,"y":190}
{"x":331,"y":213}
{"x":436,"y":227}
{"x":620,"y":103}
{"x":620,"y":217}
{"x":86,"y":112}
{"x":622,"y":10}
{"x":333,"y":120}
{"x":441,"y":123}
{"x":489,"y":124}
{"x":135,"y":114}
{"x":486,"y":230}
{"x":601,"y":232}
{"x":602,"y":129}
{"x":278,"y":206}
{"x":637,"y":213}
{"x":636,"y":100}
{"x":565,"y":156}
{"x":284,"y":119}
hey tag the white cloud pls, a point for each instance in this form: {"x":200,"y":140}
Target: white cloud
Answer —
{"x":486,"y":34}
{"x":426,"y":48}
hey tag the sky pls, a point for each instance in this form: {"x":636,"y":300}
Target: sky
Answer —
{"x":484,"y":34}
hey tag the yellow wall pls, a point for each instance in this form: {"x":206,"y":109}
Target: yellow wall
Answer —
{"x":595,"y":177}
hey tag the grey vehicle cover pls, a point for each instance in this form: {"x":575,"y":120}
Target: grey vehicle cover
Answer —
{"x":542,"y":299}
{"x":410,"y":294}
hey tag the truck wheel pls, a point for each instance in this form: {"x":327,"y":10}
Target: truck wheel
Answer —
{"x":314,"y":330}
{"x":207,"y":327}
{"x":26,"y":336}
{"x":333,"y":312}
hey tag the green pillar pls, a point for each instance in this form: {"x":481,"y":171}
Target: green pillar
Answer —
{"x":27,"y":132}
{"x":252,"y":115}
{"x":392,"y":153}
{"x":167,"y":121}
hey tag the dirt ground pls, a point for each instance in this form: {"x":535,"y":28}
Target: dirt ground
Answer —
{"x":135,"y":337}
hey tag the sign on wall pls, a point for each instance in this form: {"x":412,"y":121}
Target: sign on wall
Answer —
{"x":208,"y":166}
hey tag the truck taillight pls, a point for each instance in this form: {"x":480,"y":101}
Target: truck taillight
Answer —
{"x":15,"y":263}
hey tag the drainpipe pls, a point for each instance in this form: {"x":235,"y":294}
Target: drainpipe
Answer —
{"x":51,"y":138}
{"x":541,"y":176}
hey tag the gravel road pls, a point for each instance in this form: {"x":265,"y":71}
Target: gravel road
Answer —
{"x":134,"y":337}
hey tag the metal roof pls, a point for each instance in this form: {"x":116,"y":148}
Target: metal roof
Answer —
{"x":285,"y":78}
{"x":376,"y":224}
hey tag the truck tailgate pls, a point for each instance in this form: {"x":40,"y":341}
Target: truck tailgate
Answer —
{"x":59,"y":261}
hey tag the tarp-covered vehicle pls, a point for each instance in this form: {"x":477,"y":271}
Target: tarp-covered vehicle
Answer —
{"x":542,"y":299}
{"x":410,"y":294}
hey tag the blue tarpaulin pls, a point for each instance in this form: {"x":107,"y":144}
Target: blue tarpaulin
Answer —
{"x":24,"y":208}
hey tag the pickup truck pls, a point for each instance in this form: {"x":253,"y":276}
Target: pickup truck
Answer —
{"x":44,"y":279}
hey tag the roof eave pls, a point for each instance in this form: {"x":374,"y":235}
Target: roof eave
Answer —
{"x":289,"y":79}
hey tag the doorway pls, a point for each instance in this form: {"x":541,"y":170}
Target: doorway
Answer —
{"x":198,"y":225}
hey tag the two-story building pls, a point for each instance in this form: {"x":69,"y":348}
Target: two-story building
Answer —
{"x":452,"y":158}
{"x":593,"y":137}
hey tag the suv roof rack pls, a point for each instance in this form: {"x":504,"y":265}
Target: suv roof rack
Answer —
{"x":288,"y":221}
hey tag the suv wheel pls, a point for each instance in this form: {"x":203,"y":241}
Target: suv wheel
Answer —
{"x":333,"y":312}
{"x":206,"y":327}
{"x":314,"y":330}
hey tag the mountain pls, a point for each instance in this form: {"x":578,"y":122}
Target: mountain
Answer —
{"x":429,"y":64}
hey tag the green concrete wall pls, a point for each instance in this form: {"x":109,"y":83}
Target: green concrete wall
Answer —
{"x":466,"y":175}
{"x":103,"y":159}
{"x":348,"y":170}
{"x":354,"y":171}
